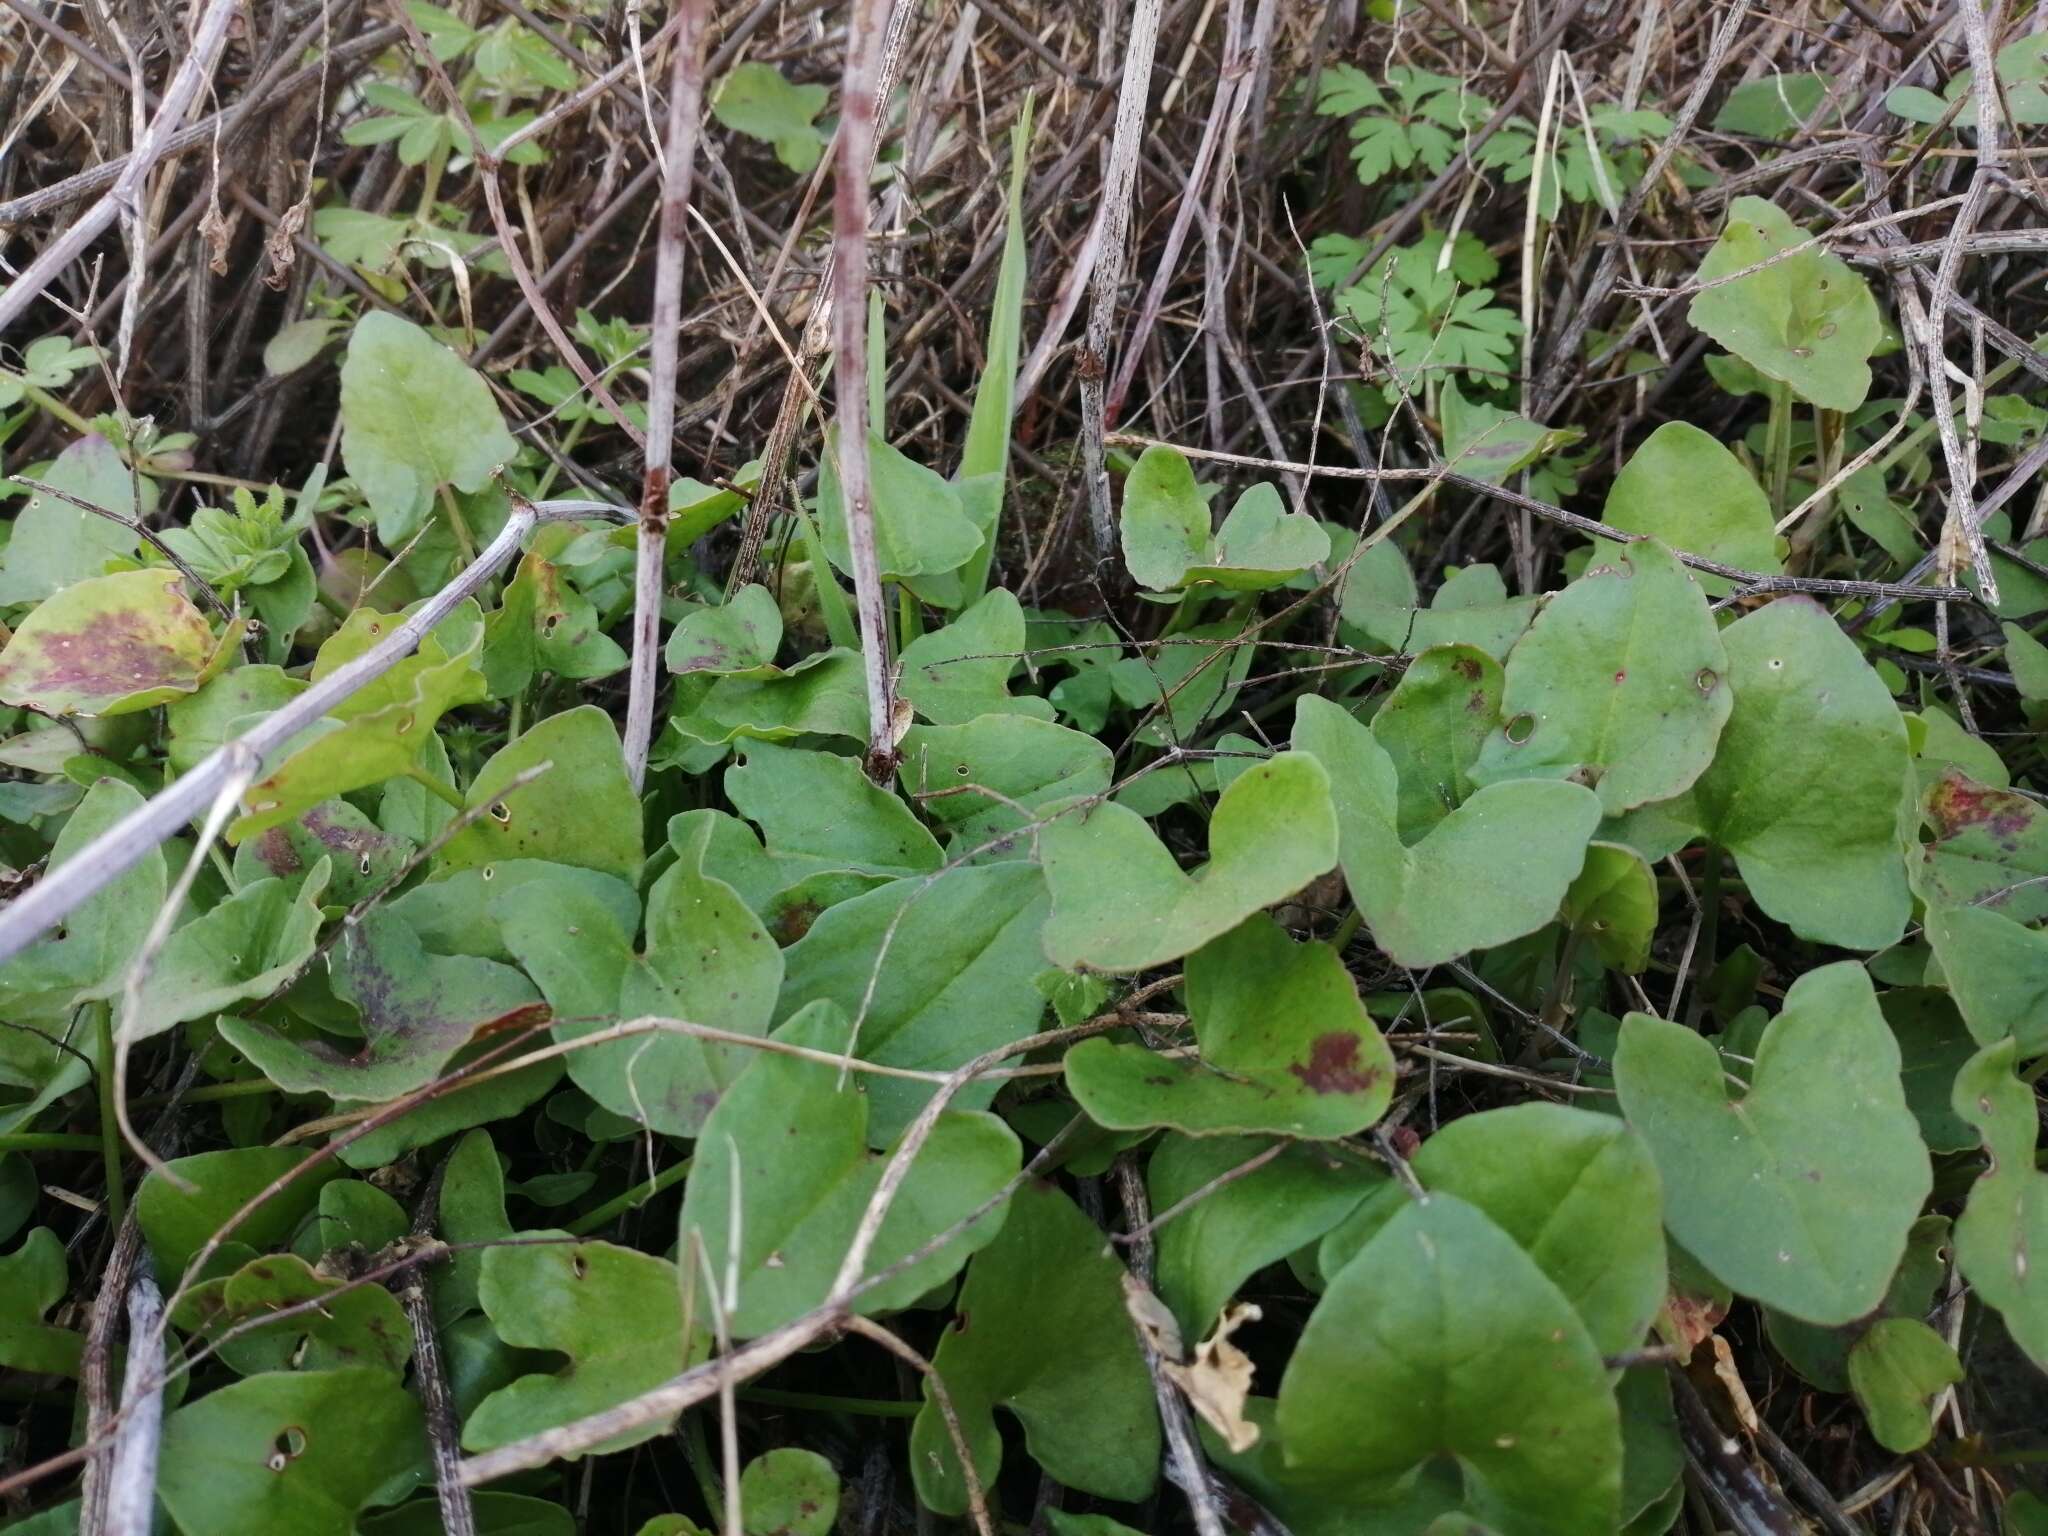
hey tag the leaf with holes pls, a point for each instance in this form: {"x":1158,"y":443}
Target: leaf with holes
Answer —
{"x":1621,"y":682}
{"x":586,"y":766}
{"x":736,"y":639}
{"x":1080,"y":1390}
{"x":111,"y":645}
{"x":995,"y":773}
{"x":791,"y":1139}
{"x":1287,"y":1049}
{"x":1801,"y":1193}
{"x":1613,"y":906}
{"x":331,"y":1325}
{"x":1493,"y":870}
{"x":616,"y":1313}
{"x":298,"y":1451}
{"x":1433,"y":726}
{"x":1120,"y":900}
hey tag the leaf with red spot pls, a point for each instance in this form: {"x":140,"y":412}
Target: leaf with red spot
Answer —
{"x":417,"y":1010}
{"x":1988,"y":847}
{"x":1287,"y":1047}
{"x":110,"y":646}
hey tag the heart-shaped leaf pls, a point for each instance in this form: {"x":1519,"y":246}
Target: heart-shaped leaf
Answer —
{"x":1621,"y":679}
{"x":1494,"y":869}
{"x":414,"y":418}
{"x":954,"y":674}
{"x":1505,"y":1378}
{"x":1120,"y":900}
{"x":360,"y":855}
{"x":1895,"y":1370}
{"x":1433,"y":726}
{"x":417,"y":1010}
{"x":755,"y":100}
{"x":1613,"y":906}
{"x":1261,"y":544}
{"x":179,"y":1218}
{"x":1382,"y":609}
{"x":299,"y":1451}
{"x":921,"y":526}
{"x":1286,"y":1048}
{"x":1080,"y":1390}
{"x":1167,"y":543}
{"x":818,"y":812}
{"x":991,"y":775}
{"x":1801,"y":1193}
{"x":739,"y":638}
{"x":33,"y":1279}
{"x":1811,"y":788}
{"x":2004,"y":1227}
{"x":109,"y":646}
{"x":1806,"y":319}
{"x":616,"y":1313}
{"x":332,"y":1324}
{"x":1997,"y":972}
{"x":1578,"y":1191}
{"x":790,"y":1139}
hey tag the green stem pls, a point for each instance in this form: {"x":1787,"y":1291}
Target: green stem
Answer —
{"x":1347,"y":930}
{"x":44,"y":400}
{"x":436,"y":164}
{"x":697,"y":1451}
{"x":908,"y":624}
{"x":1710,"y":935}
{"x":48,"y":1141}
{"x":1778,"y":445}
{"x":212,"y":1093}
{"x":110,"y":1125}
{"x":569,"y":441}
{"x":463,"y":541}
{"x":872,"y":1407}
{"x":640,"y":1194}
{"x":839,"y":625}
{"x":444,"y":791}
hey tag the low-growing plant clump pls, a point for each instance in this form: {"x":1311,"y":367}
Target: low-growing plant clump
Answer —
{"x":719,"y":817}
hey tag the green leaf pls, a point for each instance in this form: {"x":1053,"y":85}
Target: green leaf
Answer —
{"x":88,"y":954}
{"x":1800,"y":1194}
{"x":792,"y":1139}
{"x":936,"y":972}
{"x":1613,"y":903}
{"x":1041,"y":1330}
{"x":1167,"y":543}
{"x":708,"y":961}
{"x":789,"y":1492}
{"x":472,"y":1213}
{"x":223,"y":709}
{"x":1895,"y":1370}
{"x":818,"y":811}
{"x":739,"y":637}
{"x":1287,"y":1048}
{"x":581,"y":812}
{"x":109,"y":646}
{"x":921,"y":526}
{"x":1821,"y":1355}
{"x":1578,"y":1191}
{"x":1997,"y":972}
{"x":1807,"y":320}
{"x":297,"y":1451}
{"x":1683,"y":486}
{"x":1443,"y":1313}
{"x":1471,"y":607}
{"x":1934,"y":1043}
{"x":961,"y":672}
{"x":2004,"y":1226}
{"x":178,"y":1224}
{"x":991,"y":775}
{"x":417,"y":1010}
{"x":616,"y":1313}
{"x":382,"y":731}
{"x":985,"y":456}
{"x":1774,"y":106}
{"x":823,"y":694}
{"x":351,"y":1211}
{"x":1621,"y":681}
{"x":1236,"y":1229}
{"x":1494,"y":869}
{"x":33,"y":1279}
{"x":332,"y":1324}
{"x":497,"y":1514}
{"x":755,"y":100}
{"x":1433,"y":726}
{"x":414,"y":418}
{"x":54,"y":544}
{"x":247,"y":947}
{"x":1120,"y":900}
{"x":1261,"y":544}
{"x":477,"y":1103}
{"x":2028,"y":659}
{"x":1484,"y":442}
{"x":1812,"y":781}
